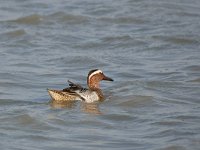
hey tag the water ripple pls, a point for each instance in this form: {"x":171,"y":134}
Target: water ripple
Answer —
{"x":29,"y":20}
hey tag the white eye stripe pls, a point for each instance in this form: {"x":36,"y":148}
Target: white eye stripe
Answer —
{"x":96,"y":72}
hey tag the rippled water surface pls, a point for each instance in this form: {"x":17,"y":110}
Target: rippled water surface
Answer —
{"x":151,"y":48}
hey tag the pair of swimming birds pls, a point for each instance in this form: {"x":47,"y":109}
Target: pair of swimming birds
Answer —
{"x":76,"y":92}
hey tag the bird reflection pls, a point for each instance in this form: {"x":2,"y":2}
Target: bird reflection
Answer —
{"x":91,"y":108}
{"x":67,"y":104}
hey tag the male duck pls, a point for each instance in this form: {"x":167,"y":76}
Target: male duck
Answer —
{"x":77,"y":92}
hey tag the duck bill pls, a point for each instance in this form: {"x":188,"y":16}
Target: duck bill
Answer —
{"x":107,"y":78}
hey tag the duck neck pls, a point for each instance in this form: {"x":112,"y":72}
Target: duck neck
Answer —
{"x":93,"y":84}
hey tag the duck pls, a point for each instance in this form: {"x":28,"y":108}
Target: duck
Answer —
{"x":76,"y":92}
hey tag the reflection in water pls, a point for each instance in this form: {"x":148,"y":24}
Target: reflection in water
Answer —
{"x":92,"y":108}
{"x":66,"y":104}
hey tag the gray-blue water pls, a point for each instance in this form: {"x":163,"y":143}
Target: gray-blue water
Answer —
{"x":151,"y":48}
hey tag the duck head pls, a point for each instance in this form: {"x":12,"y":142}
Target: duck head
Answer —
{"x":94,"y":78}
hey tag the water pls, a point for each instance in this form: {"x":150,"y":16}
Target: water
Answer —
{"x":150,"y":48}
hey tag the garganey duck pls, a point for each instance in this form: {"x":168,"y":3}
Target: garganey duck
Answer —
{"x":77,"y":92}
